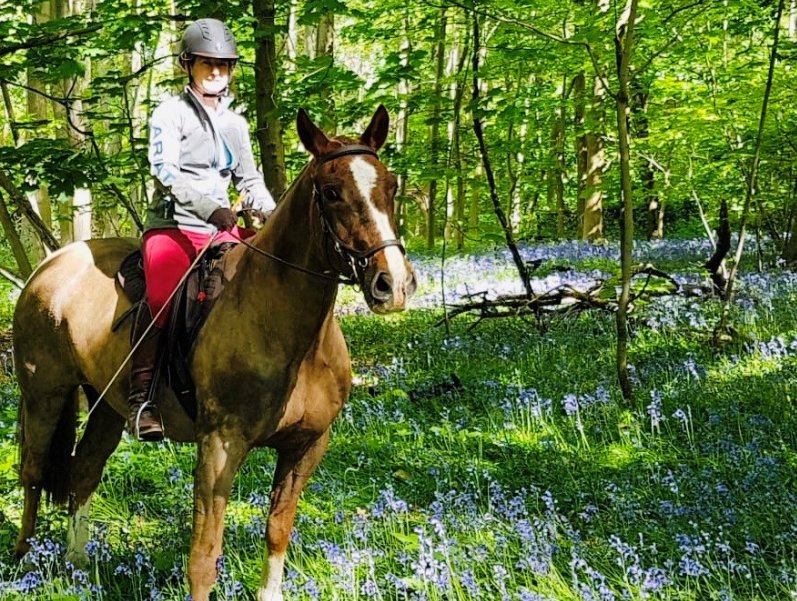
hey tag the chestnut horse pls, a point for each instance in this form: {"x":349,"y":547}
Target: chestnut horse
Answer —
{"x":270,"y":365}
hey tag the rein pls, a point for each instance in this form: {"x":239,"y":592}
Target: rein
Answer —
{"x":357,"y":260}
{"x":335,"y":278}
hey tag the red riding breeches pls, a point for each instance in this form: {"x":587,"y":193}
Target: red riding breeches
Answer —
{"x":168,"y":253}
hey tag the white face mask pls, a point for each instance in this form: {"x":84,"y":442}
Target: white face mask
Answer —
{"x":215,"y":86}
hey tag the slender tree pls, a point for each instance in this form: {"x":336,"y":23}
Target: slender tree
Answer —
{"x":269,"y":129}
{"x":722,"y":330}
{"x":479,"y":131}
{"x":624,"y":44}
{"x":434,"y":134}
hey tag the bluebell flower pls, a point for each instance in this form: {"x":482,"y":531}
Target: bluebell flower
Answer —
{"x":570,"y":404}
{"x":29,"y":582}
{"x":468,"y":581}
{"x":654,"y":410}
{"x":369,"y":589}
{"x":311,"y":589}
{"x":681,"y":416}
{"x":751,"y":547}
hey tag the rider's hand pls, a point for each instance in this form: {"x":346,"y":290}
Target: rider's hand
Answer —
{"x":261,"y":216}
{"x":224,"y":219}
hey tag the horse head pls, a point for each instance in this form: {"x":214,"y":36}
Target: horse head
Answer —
{"x":354,"y":193}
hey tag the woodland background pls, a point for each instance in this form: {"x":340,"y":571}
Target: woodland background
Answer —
{"x":476,"y":458}
{"x":80,"y":77}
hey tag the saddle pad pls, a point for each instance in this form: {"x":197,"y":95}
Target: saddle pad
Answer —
{"x":131,"y":277}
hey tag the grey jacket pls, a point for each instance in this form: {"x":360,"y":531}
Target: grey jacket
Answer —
{"x":194,"y":152}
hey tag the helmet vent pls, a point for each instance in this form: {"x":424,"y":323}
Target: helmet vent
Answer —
{"x":206,"y":33}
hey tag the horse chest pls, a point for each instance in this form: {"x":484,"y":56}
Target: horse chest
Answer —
{"x":306,"y":406}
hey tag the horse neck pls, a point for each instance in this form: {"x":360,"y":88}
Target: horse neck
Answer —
{"x":293,"y":233}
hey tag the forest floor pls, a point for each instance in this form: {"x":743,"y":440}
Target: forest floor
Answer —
{"x":497,"y":462}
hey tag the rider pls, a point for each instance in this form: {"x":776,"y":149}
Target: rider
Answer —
{"x":197,"y":145}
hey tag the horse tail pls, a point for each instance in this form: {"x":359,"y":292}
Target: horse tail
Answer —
{"x":58,"y":471}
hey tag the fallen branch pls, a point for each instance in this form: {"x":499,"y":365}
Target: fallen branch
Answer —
{"x":566,"y":298}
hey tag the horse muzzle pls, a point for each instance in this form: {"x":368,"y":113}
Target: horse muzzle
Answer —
{"x":388,"y":287}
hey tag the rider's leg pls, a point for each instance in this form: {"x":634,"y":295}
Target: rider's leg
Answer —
{"x":168,"y":253}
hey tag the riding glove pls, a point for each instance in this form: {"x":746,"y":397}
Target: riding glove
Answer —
{"x":223,"y":218}
{"x":261,"y":216}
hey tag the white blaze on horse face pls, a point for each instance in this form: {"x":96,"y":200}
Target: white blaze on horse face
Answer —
{"x":271,"y":581}
{"x":365,"y":177}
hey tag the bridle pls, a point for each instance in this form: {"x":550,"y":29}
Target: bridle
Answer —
{"x":357,"y":260}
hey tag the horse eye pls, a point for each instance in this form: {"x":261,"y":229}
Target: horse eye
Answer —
{"x":331,"y":194}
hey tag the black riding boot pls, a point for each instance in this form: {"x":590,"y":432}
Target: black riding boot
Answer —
{"x":144,"y":421}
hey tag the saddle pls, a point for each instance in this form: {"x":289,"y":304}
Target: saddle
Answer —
{"x":191,"y":306}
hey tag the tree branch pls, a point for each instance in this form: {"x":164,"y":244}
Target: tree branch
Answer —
{"x":488,"y":170}
{"x":46,"y":40}
{"x":12,"y":277}
{"x":540,"y":33}
{"x":44,"y":233}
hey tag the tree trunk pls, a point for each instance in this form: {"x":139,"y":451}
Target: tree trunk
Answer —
{"x":474,"y":208}
{"x":75,"y":218}
{"x":790,"y":252}
{"x":579,"y":127}
{"x":655,"y":208}
{"x":716,"y":264}
{"x":516,"y":162}
{"x":269,"y":130}
{"x":722,"y":329}
{"x":556,"y":168}
{"x":325,"y":47}
{"x":402,"y":127}
{"x":596,"y":161}
{"x":455,"y":193}
{"x":18,"y":198}
{"x":434,"y":135}
{"x":477,"y":129}
{"x":590,"y":160}
{"x":623,"y":47}
{"x":14,"y":241}
{"x":38,"y":109}
{"x":292,"y":41}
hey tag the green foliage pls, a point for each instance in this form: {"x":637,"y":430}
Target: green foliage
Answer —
{"x":532,"y":457}
{"x":699,"y":71}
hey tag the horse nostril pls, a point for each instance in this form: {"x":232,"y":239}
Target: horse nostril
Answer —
{"x":413,"y":285}
{"x":382,"y":287}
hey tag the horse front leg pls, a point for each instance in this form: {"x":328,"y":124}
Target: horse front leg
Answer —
{"x":218,"y":459}
{"x":294,"y":468}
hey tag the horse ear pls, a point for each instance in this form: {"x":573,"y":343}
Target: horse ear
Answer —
{"x":313,"y":139}
{"x":376,"y":132}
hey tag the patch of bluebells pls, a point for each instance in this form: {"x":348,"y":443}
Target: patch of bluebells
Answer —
{"x":778,"y":347}
{"x":524,"y":405}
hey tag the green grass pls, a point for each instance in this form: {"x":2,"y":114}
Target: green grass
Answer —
{"x":498,"y":488}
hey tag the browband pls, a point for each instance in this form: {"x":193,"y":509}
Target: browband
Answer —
{"x":343,"y":151}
